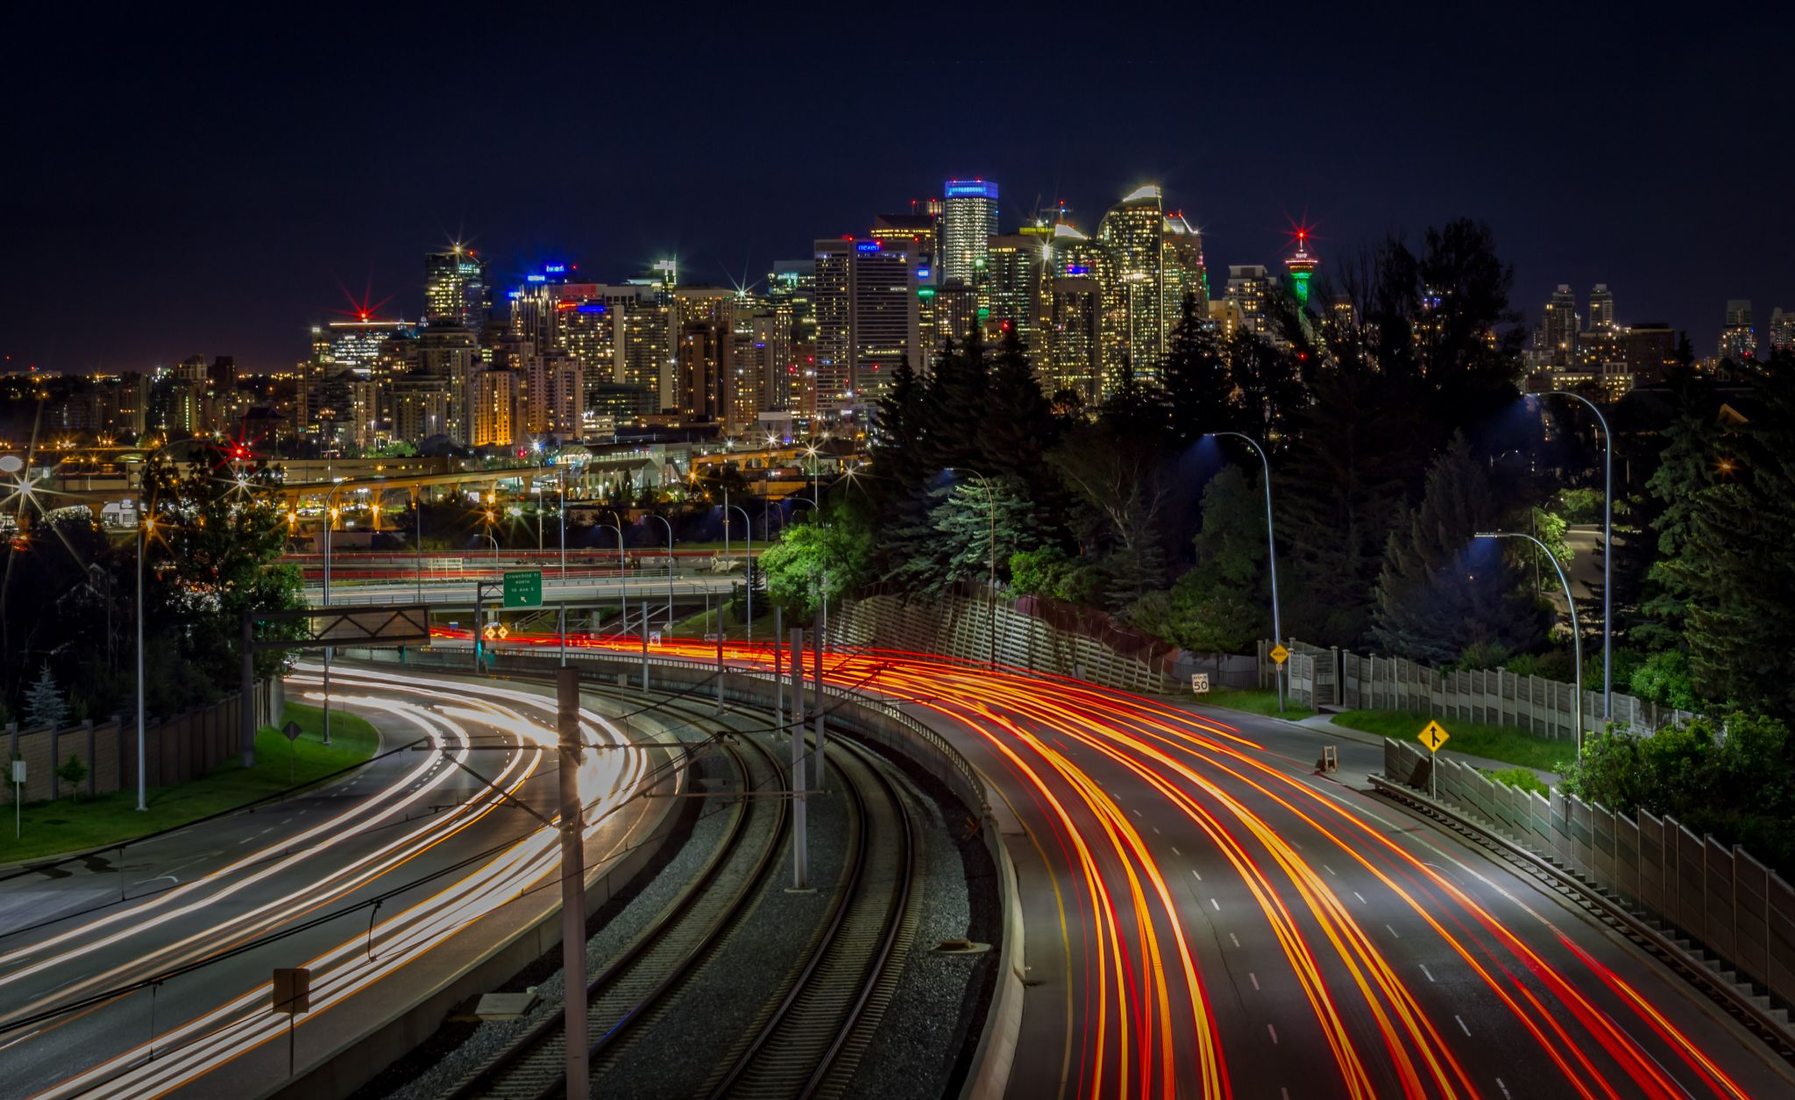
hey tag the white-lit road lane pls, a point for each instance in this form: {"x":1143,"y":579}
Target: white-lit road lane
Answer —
{"x":426,"y":815}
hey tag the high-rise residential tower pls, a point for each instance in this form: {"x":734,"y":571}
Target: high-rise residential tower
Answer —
{"x":1601,"y":309}
{"x":968,"y":222}
{"x":1738,"y":340}
{"x":455,"y":288}
{"x":1558,"y":329}
{"x":866,"y":322}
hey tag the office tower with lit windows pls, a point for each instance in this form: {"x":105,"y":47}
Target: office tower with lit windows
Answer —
{"x":1011,"y":294}
{"x":1559,"y":328}
{"x":496,"y":397}
{"x":1134,"y":230}
{"x":1601,"y":309}
{"x":968,"y":222}
{"x":455,"y":289}
{"x":1091,"y":268}
{"x":1186,"y":275}
{"x":1248,"y":288}
{"x":435,"y":396}
{"x":1782,"y":330}
{"x":867,"y":322}
{"x":1738,"y":339}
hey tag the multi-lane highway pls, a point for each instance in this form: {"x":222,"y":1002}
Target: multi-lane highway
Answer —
{"x":455,"y":857}
{"x":1207,"y":917}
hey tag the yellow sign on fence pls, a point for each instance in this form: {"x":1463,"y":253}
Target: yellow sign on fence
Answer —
{"x":1433,"y":735}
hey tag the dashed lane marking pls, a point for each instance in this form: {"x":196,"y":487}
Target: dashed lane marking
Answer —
{"x":1255,"y":978}
{"x":1429,"y":973}
{"x":1461,"y":1025}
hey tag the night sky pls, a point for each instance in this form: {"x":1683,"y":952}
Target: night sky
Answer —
{"x":212,"y":187}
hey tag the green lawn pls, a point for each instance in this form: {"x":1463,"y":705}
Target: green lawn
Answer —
{"x":67,"y":825}
{"x":1510,"y":746}
{"x":1254,"y":701}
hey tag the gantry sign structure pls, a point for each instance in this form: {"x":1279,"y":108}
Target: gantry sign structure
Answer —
{"x":322,"y":628}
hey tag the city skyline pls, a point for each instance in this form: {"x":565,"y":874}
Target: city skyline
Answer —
{"x":264,"y":181}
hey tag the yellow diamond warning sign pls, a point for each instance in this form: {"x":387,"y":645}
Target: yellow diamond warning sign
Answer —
{"x":1279,"y":654}
{"x":1433,"y":735}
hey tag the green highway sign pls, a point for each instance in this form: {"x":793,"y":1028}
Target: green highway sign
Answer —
{"x":523,"y":588}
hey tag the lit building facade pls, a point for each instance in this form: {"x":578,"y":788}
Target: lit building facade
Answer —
{"x":867,"y":322}
{"x":455,"y":288}
{"x":968,"y":222}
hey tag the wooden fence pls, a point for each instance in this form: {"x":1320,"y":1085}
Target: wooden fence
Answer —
{"x":176,"y":749}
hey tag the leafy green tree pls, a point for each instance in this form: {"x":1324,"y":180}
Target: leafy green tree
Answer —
{"x":72,"y":772}
{"x":215,"y":554}
{"x":1047,"y":571}
{"x":1440,"y":591}
{"x":824,"y":557}
{"x":1663,"y":678}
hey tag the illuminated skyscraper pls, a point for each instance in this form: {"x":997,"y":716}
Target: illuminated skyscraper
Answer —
{"x":1558,"y":329}
{"x":496,"y":393}
{"x":1134,"y":229}
{"x":1011,"y":294}
{"x":1601,"y":308}
{"x":1782,"y":330}
{"x":968,"y":222}
{"x":1738,"y":339}
{"x":455,"y":288}
{"x":1186,"y":273}
{"x":867,"y":322}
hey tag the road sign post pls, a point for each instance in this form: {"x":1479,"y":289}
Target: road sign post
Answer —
{"x":291,"y":731}
{"x":1433,"y":735}
{"x":1278,"y":656}
{"x":292,"y":995}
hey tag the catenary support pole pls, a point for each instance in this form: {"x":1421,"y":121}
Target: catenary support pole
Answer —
{"x":817,"y":664}
{"x":573,"y":878}
{"x":800,"y":840}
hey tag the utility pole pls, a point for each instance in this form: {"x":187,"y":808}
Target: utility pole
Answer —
{"x":800,"y":841}
{"x":818,"y":665}
{"x":573,"y":880}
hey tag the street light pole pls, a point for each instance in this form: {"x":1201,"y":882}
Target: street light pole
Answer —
{"x":1576,"y":628}
{"x":669,"y":526}
{"x":748,"y":574}
{"x":1271,"y":550}
{"x":143,"y":522}
{"x":1607,"y":550}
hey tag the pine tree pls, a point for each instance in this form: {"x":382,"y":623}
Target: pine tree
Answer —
{"x":1223,"y":605}
{"x":44,"y":704}
{"x":1441,"y":591}
{"x":1739,"y":560}
{"x":1197,"y":383}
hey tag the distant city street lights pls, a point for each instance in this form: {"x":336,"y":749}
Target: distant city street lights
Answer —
{"x":1271,"y":545}
{"x":991,"y":511}
{"x":1607,"y":549}
{"x":1576,"y":629}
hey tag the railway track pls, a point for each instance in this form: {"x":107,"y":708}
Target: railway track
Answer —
{"x":809,"y":1043}
{"x":668,"y":951}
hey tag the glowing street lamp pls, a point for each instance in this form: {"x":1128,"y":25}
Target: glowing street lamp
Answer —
{"x":1607,"y":549}
{"x":1576,"y":629}
{"x":1271,"y":549}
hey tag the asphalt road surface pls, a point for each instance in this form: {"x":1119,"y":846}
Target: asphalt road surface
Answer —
{"x":1207,"y":917}
{"x":291,"y":884}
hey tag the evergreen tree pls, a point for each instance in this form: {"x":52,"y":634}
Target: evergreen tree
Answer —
{"x":1440,"y":592}
{"x":1353,"y":461}
{"x":1197,"y":383}
{"x":44,"y":704}
{"x":1686,"y":467}
{"x":1223,"y":605}
{"x":1738,"y":560}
